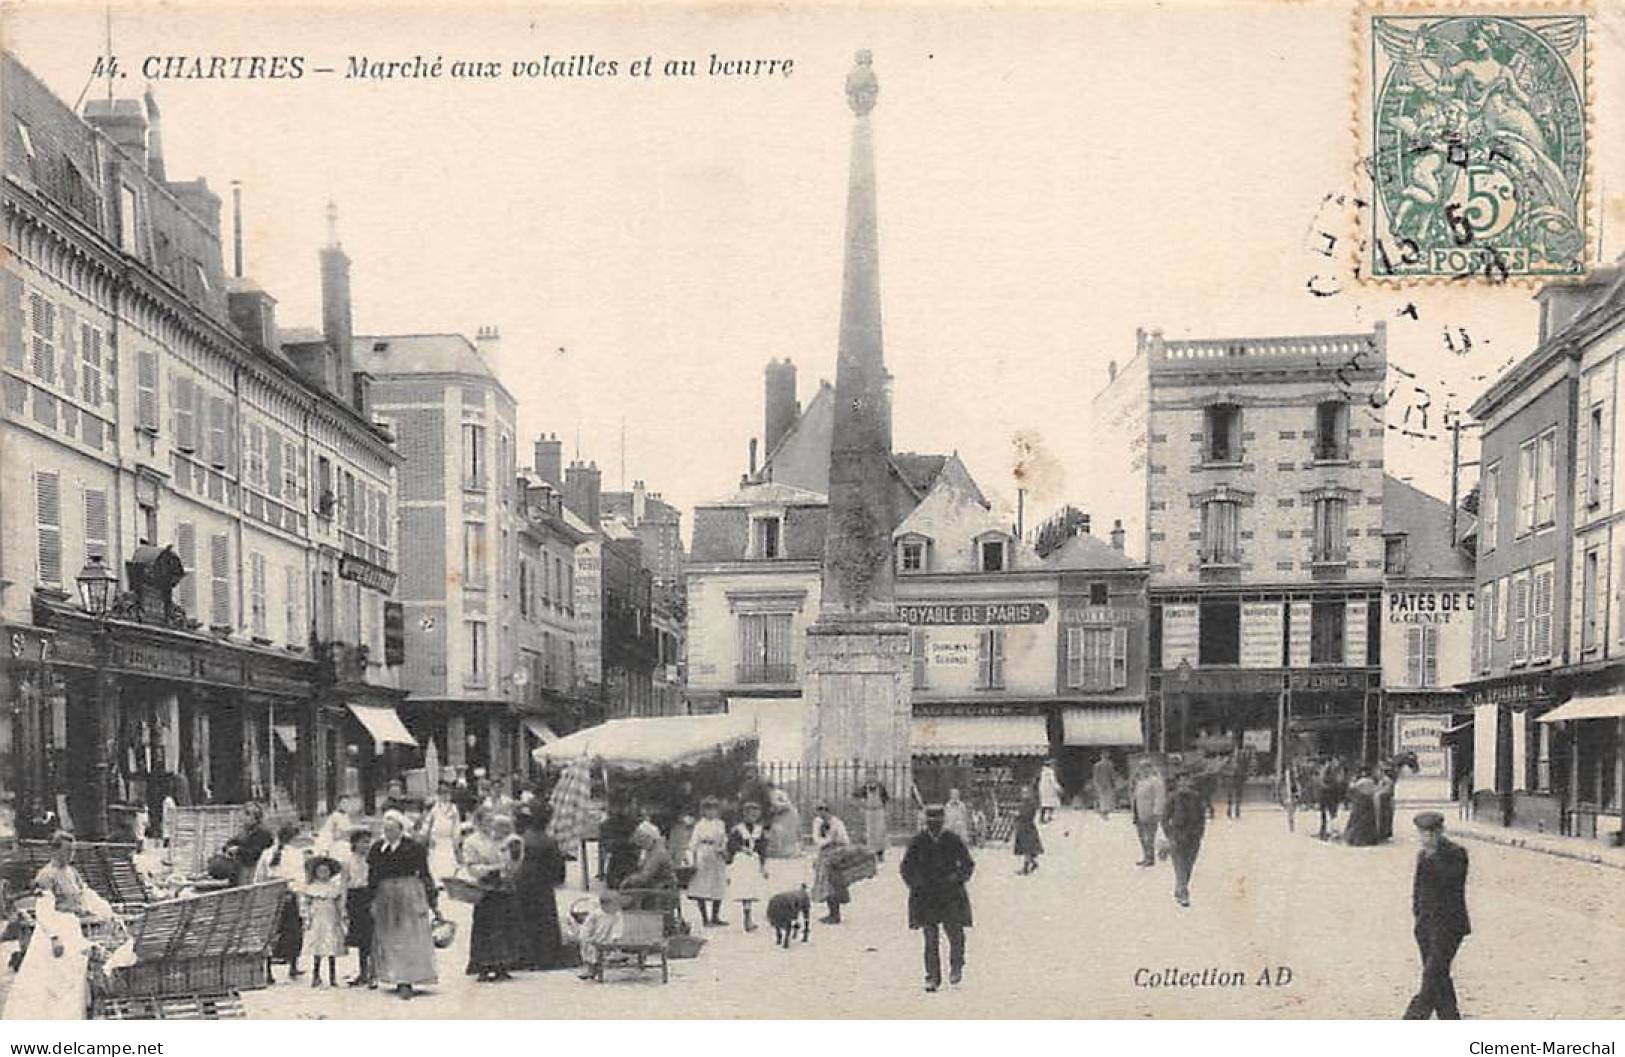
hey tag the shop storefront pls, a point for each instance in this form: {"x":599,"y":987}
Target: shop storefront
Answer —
{"x":1418,"y":724}
{"x":992,"y":749}
{"x":1519,"y":776}
{"x":108,"y":716}
{"x":1587,"y":734}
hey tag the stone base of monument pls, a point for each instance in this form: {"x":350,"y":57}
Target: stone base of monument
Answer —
{"x":858,"y":690}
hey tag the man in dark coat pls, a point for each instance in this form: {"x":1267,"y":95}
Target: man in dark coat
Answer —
{"x":935,"y":868}
{"x":1439,"y":905}
{"x":1184,"y":823}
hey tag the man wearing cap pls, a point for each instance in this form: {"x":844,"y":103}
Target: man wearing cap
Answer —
{"x":1439,"y":904}
{"x":935,"y":868}
{"x":1184,"y":823}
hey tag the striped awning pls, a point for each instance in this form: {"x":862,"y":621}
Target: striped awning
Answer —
{"x":980,"y":736}
{"x":1102,"y":725}
{"x":384,"y":724}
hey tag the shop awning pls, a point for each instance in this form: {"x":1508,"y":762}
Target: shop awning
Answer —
{"x":384,"y":724}
{"x":980,"y":736}
{"x":1102,"y":725}
{"x":542,"y":731}
{"x":1601,"y":706}
{"x":657,"y":741}
{"x":288,"y":735}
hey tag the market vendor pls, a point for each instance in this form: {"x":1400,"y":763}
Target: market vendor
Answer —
{"x":655,"y":869}
{"x":250,"y":843}
{"x":52,"y":982}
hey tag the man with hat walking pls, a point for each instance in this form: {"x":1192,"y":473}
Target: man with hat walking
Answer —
{"x":1439,"y":904}
{"x":935,"y":868}
{"x":1184,"y":823}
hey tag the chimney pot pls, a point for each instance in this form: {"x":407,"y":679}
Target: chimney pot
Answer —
{"x":1117,"y":534}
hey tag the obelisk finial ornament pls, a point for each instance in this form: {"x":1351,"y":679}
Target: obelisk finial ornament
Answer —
{"x":861,"y":86}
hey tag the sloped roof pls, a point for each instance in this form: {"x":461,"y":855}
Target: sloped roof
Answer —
{"x":919,"y":472}
{"x":385,"y":354}
{"x":950,"y":508}
{"x":770,"y":493}
{"x":1425,"y":522}
{"x":1084,"y":552}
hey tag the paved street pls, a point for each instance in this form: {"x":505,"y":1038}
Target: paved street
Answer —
{"x":1067,"y":942}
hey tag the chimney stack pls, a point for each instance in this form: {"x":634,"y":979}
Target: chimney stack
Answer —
{"x":124,"y":122}
{"x":488,"y":342}
{"x":583,"y":485}
{"x":1111,"y":371}
{"x":780,"y":403}
{"x":640,"y":498}
{"x":237,"y":229}
{"x":548,"y":461}
{"x":1117,"y":534}
{"x":155,"y":142}
{"x":337,"y":326}
{"x":752,"y":457}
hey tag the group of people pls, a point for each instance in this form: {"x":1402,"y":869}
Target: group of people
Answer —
{"x":1180,"y":814}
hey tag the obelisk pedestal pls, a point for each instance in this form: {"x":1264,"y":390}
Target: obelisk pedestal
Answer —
{"x":858,"y":685}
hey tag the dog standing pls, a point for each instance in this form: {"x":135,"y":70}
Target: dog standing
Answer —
{"x":784,"y":909}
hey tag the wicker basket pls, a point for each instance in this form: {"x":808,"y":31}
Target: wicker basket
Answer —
{"x":206,"y":943}
{"x":463,"y":890}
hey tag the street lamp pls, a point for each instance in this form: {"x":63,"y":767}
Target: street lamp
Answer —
{"x":97,"y":586}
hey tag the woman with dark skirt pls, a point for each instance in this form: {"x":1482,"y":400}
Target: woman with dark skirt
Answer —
{"x":1027,"y":842}
{"x":491,"y":857}
{"x":541,"y":871}
{"x":280,"y":862}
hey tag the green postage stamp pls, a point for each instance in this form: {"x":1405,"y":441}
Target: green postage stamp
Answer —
{"x":1476,"y":136}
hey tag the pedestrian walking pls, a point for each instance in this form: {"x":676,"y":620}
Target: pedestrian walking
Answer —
{"x":1104,"y":776}
{"x":1288,"y":791}
{"x":873,"y":797}
{"x":404,"y":897}
{"x":445,"y":823}
{"x":1184,"y":823}
{"x":1049,"y":792}
{"x":1149,"y":804}
{"x":956,"y":816}
{"x":1387,"y":776}
{"x":1439,"y":906}
{"x":829,"y":885}
{"x":1237,"y":773}
{"x":707,"y":851}
{"x":1027,"y":843}
{"x":935,"y":868}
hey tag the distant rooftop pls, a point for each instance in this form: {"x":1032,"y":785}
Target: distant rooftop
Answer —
{"x":1357,"y":351}
{"x":385,"y":354}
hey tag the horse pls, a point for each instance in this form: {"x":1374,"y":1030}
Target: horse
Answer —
{"x":1331,"y":790}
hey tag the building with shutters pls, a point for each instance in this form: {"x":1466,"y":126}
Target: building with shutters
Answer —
{"x":462,"y":510}
{"x":1546,"y":689}
{"x":160,"y":439}
{"x":1263,"y":487}
{"x":549,"y":699}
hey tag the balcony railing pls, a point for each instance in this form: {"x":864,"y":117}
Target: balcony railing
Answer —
{"x":765,"y":673}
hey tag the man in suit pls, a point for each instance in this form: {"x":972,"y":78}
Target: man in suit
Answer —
{"x":1439,"y":904}
{"x":1149,"y":801}
{"x":935,"y":868}
{"x":1186,"y":819}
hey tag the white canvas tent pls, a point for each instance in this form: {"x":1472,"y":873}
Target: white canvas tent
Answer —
{"x":664,"y":741}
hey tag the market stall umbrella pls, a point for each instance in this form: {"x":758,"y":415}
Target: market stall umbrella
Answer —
{"x":648,"y":743}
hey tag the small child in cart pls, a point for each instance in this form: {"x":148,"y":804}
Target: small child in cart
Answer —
{"x":602,"y":924}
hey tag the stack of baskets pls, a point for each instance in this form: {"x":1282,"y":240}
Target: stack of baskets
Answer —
{"x":199,"y":833}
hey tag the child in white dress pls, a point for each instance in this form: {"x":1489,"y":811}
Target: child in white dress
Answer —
{"x":321,"y":906}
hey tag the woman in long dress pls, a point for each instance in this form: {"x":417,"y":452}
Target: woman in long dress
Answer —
{"x":334,"y":836}
{"x":280,"y":862}
{"x":829,"y":886}
{"x":747,"y":862}
{"x":403,"y":901}
{"x":1361,"y":829}
{"x":53,"y":982}
{"x":541,"y":872}
{"x":1049,"y":792}
{"x":873,"y":798}
{"x":784,"y":826}
{"x":707,"y":849}
{"x":444,"y":824}
{"x":492,"y":862}
{"x":1027,"y":843}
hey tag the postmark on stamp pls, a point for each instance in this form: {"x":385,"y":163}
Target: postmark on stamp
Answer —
{"x":1476,"y":127}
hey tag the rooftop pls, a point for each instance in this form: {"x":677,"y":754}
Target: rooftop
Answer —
{"x":1424,"y":521}
{"x":1084,"y":552}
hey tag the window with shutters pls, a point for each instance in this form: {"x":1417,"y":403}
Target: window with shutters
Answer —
{"x":990,"y":659}
{"x":90,"y":365}
{"x":1546,"y":479}
{"x":766,"y":535}
{"x":48,"y":525}
{"x":473,"y":457}
{"x":273,"y":464}
{"x":351,"y":512}
{"x":1395,"y":556}
{"x":254,"y":468}
{"x":324,"y":498}
{"x":1540,"y":645}
{"x":219,"y":582}
{"x":1489,"y":508}
{"x":256,"y":594}
{"x":1331,"y":431}
{"x":1327,"y":632}
{"x":1526,"y":487}
{"x":473,"y":554}
{"x":67,"y":370}
{"x":1520,"y":618}
{"x":183,"y":393}
{"x":96,"y":525}
{"x":474,"y":631}
{"x":1590,"y":600}
{"x":524,"y":588}
{"x":217,"y":432}
{"x":921,"y":645}
{"x":293,"y":620}
{"x":1094,"y":661}
{"x":43,"y":315}
{"x":1594,"y":456}
{"x":146,"y":391}
{"x":1503,"y":606}
{"x":764,"y":649}
{"x":1221,"y":434}
{"x":1331,"y":531}
{"x":1484,"y":630}
{"x":1422,"y":656}
{"x":1221,"y":532}
{"x":186,"y":551}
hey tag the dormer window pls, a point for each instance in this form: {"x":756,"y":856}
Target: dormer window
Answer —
{"x":766,"y":537}
{"x":912,"y":557}
{"x":993,"y":555}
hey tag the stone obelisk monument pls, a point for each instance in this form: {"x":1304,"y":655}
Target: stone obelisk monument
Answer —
{"x":859,"y":670}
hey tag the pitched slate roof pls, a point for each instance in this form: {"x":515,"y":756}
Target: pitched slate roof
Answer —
{"x":1425,"y":523}
{"x":1084,"y":552}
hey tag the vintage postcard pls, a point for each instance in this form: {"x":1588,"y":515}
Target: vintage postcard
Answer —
{"x":897,"y":512}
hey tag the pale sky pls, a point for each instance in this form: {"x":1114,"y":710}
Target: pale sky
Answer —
{"x":1048,"y":181}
